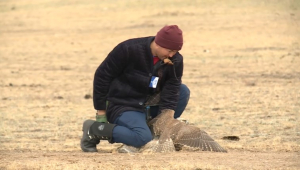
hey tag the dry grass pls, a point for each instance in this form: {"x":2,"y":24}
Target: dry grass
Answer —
{"x":241,"y":64}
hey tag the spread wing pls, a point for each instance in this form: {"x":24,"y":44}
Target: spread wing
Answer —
{"x":192,"y":136}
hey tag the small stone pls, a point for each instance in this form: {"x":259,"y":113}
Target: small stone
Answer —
{"x":88,"y":96}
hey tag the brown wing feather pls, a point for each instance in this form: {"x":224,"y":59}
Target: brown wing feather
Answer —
{"x":195,"y":137}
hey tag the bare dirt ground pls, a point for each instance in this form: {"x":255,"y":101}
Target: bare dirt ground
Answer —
{"x":242,"y":62}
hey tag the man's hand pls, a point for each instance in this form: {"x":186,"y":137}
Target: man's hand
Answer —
{"x":101,"y":116}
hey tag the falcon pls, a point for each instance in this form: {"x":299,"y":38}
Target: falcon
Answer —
{"x":169,"y":132}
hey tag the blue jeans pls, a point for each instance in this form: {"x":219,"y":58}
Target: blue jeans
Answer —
{"x":132,"y":128}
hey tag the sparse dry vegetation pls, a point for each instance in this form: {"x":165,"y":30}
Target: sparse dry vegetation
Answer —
{"x":241,"y":59}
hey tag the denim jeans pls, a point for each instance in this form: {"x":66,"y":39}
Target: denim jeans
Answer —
{"x":132,"y":128}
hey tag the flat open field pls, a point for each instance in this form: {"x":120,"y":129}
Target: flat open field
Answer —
{"x":242,"y":65}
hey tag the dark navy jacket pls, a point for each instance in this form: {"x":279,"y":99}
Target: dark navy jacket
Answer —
{"x":124,"y":76}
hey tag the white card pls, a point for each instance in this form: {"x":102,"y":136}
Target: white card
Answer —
{"x":153,"y":82}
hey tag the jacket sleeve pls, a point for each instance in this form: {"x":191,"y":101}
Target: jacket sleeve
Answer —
{"x":170,"y":91}
{"x":109,"y":69}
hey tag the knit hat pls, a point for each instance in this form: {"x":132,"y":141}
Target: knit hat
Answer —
{"x":169,"y":37}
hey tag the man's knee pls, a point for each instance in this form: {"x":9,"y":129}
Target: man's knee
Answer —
{"x":143,"y":139}
{"x":184,"y":90}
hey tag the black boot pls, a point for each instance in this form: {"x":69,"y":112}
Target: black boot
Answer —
{"x":88,"y":144}
{"x":102,"y":131}
{"x":93,"y":132}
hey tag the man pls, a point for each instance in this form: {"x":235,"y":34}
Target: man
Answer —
{"x":139,"y":76}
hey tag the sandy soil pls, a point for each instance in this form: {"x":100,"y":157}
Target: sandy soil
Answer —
{"x":179,"y":160}
{"x":241,"y":59}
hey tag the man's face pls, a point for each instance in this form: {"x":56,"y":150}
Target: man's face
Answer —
{"x":163,"y":53}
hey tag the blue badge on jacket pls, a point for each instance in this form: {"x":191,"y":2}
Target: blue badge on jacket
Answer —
{"x":153,"y":82}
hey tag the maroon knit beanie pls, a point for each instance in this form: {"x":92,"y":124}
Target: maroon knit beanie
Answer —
{"x":169,"y":37}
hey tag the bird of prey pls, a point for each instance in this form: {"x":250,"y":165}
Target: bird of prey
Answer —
{"x":170,"y":132}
